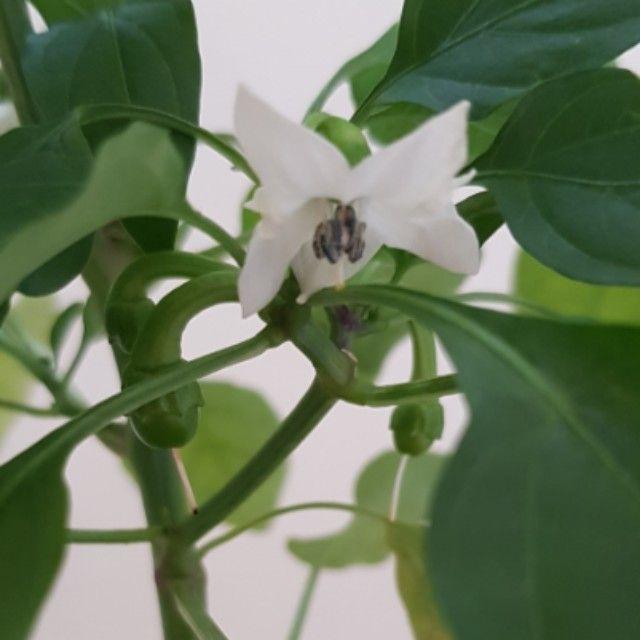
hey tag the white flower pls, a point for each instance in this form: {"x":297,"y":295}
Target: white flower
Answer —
{"x":8,"y":117}
{"x":327,"y":219}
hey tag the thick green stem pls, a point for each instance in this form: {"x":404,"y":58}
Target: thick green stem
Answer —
{"x":297,"y":426}
{"x":160,"y":342}
{"x":14,"y":29}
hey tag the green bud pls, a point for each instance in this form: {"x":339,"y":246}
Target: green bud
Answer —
{"x":345,"y":135}
{"x":170,"y":421}
{"x":416,"y":427}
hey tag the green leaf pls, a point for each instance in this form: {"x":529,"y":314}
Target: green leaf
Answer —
{"x":33,"y":509}
{"x":135,"y":52}
{"x":234,"y":423}
{"x":407,"y":544}
{"x":60,"y":11}
{"x":138,"y":172}
{"x":535,"y":524}
{"x":62,"y":327}
{"x":535,"y":283}
{"x":490,"y":51}
{"x":364,"y":540}
{"x":566,"y":176}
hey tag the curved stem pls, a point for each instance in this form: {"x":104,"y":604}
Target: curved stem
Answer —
{"x":504,"y":298}
{"x":89,"y":114}
{"x":225,"y":240}
{"x":313,"y":406}
{"x":134,"y":281}
{"x":404,"y":393}
{"x":112,"y":536}
{"x":160,"y":342}
{"x":306,"y":506}
{"x":18,"y":407}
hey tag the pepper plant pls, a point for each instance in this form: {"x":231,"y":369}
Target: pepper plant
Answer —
{"x":354,"y":236}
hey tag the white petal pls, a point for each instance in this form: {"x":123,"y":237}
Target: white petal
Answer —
{"x":8,"y":117}
{"x":313,"y":274}
{"x":419,"y":169}
{"x":271,"y":249}
{"x":294,"y":164}
{"x":446,"y":239}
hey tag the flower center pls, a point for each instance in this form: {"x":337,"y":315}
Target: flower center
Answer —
{"x":341,"y":235}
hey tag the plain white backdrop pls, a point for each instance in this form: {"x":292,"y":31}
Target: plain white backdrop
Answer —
{"x":284,"y":50}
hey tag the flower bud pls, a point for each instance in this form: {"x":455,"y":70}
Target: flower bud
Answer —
{"x":415,"y":427}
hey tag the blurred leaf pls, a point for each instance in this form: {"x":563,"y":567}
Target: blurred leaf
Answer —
{"x":33,"y":507}
{"x":364,"y":540}
{"x":407,"y":544}
{"x":138,"y":172}
{"x":542,"y":286}
{"x":62,"y":10}
{"x":234,"y":423}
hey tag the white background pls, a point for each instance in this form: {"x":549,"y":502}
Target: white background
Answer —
{"x":284,"y":50}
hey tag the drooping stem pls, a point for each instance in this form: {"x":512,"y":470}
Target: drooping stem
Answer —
{"x":296,"y":427}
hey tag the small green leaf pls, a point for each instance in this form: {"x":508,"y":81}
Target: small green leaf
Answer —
{"x":535,"y":283}
{"x":348,"y":138}
{"x":565,"y":174}
{"x":62,"y":327}
{"x":490,"y":51}
{"x":234,"y":423}
{"x":407,"y":544}
{"x":364,"y":540}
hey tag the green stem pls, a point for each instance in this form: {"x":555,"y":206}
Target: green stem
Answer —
{"x":194,"y":614}
{"x":160,"y":342}
{"x":14,"y":29}
{"x":503,"y":298}
{"x":18,"y":407}
{"x":296,"y":427}
{"x":303,"y":606}
{"x":90,"y":114}
{"x":216,"y":232}
{"x":134,"y":281}
{"x":405,"y":393}
{"x":113,"y":536}
{"x":306,"y":506}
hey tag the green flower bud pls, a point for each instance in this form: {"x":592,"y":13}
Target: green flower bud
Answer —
{"x":416,"y":427}
{"x":170,"y":421}
{"x":343,"y":134}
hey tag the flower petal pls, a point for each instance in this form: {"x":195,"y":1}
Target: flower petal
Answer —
{"x":271,"y":249}
{"x":313,"y":274}
{"x":419,"y":169}
{"x":293,"y":163}
{"x":446,"y":239}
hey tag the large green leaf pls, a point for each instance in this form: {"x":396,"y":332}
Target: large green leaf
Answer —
{"x":546,"y":288}
{"x":566,"y":176}
{"x":135,"y":52}
{"x":490,"y":51}
{"x":139,"y":172}
{"x":536,"y":523}
{"x":365,"y":540}
{"x":234,"y":423}
{"x":62,"y":10}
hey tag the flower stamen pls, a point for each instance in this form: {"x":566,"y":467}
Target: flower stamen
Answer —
{"x":340,"y":236}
